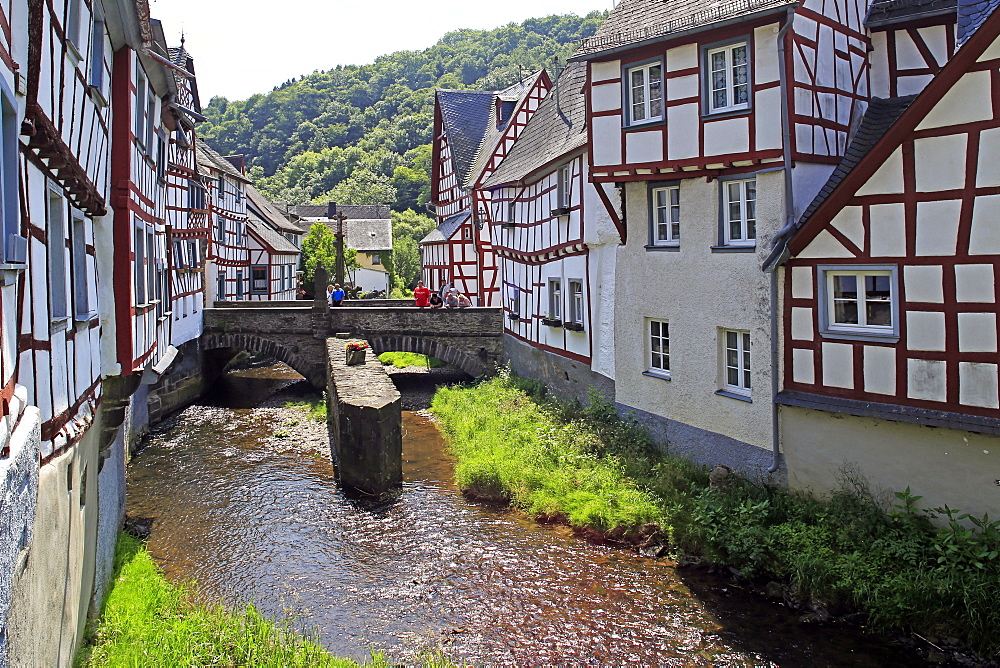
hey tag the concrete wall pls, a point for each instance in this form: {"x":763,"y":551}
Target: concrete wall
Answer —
{"x":365,"y":422}
{"x":945,"y":466}
{"x":564,"y":377}
{"x":184,"y":381}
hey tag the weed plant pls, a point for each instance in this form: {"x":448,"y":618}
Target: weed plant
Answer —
{"x":933,"y":570}
{"x":401,"y":360}
{"x":314,"y":405}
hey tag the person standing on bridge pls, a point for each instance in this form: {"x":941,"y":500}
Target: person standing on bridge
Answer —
{"x":337,"y":296}
{"x":421,"y":295}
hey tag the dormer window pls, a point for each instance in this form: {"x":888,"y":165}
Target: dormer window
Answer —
{"x":644,"y":86}
{"x":727,"y":77}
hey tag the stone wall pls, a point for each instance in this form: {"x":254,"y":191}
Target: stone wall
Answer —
{"x":564,"y":377}
{"x":365,"y":421}
{"x":185,"y":381}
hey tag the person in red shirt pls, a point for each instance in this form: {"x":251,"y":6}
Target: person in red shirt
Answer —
{"x":421,"y":295}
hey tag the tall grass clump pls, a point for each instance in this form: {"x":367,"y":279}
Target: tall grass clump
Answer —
{"x":906,"y":567}
{"x":150,"y":622}
{"x":314,"y":405}
{"x":401,"y":360}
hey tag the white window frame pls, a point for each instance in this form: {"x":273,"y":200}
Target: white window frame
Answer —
{"x":743,"y":361}
{"x":56,"y":255}
{"x":658,"y":361}
{"x":730,"y":84}
{"x":74,"y":22}
{"x":82,"y":310}
{"x":670,"y":208}
{"x":576,"y":302}
{"x":555,"y":298}
{"x":862,"y":330}
{"x":15,"y":246}
{"x":747,"y":223}
{"x":254,"y":290}
{"x":647,"y":89}
{"x":564,"y":187}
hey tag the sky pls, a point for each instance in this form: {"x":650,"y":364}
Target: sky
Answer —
{"x":242,"y":47}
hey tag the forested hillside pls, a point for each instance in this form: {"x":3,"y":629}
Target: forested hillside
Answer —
{"x":361,"y":133}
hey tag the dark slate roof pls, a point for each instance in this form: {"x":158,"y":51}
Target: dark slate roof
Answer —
{"x":558,"y":127}
{"x":269,"y":236}
{"x":367,"y":211}
{"x":885,"y":12}
{"x":270,"y":213}
{"x":971,"y":15}
{"x":493,"y":132}
{"x":447,"y":228}
{"x":207,"y":157}
{"x":878,"y":118}
{"x":634,"y":22}
{"x":466,"y":115}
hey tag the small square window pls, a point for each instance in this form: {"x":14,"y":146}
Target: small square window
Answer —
{"x":736,"y":361}
{"x":666,"y":216}
{"x":739,"y":214}
{"x":658,"y":348}
{"x":376,"y":259}
{"x":859,"y":301}
{"x":728,"y":78}
{"x":466,"y":233}
{"x":644,"y":92}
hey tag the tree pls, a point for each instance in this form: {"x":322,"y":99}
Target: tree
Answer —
{"x":411,"y":224}
{"x":406,"y":261}
{"x":319,"y":248}
{"x":363,"y":186}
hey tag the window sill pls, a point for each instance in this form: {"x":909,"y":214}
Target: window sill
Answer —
{"x":560,"y":211}
{"x":643,"y":125}
{"x":735,"y":395}
{"x":97,"y":96}
{"x":82,"y":318}
{"x":872,"y":337}
{"x":573,"y":326}
{"x":656,"y":374}
{"x":58,"y":324}
{"x":73,"y":52}
{"x":673,"y":248}
{"x":727,"y":113}
{"x":552,"y":322}
{"x":734,"y":249}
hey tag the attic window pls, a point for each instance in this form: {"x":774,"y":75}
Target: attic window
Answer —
{"x":505,"y":109}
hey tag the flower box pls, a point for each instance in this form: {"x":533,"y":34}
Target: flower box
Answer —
{"x":573,"y":326}
{"x":552,"y":322}
{"x":559,"y":211}
{"x":355,"y":357}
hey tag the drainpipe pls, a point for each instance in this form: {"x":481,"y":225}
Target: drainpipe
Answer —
{"x":786,"y":150}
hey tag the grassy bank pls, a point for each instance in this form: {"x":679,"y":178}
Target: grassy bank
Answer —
{"x":150,"y":622}
{"x":313,"y":405}
{"x":401,"y":360}
{"x":856,"y":550}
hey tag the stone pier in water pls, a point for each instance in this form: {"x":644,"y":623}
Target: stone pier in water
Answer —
{"x":365,"y":422}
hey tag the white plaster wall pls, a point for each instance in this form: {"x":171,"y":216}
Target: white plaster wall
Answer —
{"x":371,"y":279}
{"x":606,"y":140}
{"x":893,"y":456}
{"x":697,"y":292}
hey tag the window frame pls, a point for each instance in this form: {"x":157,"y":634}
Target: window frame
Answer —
{"x":139,"y":125}
{"x":220,"y":287}
{"x":651,"y":368}
{"x":825,"y":304}
{"x":747,"y":244}
{"x":555,"y":298}
{"x":744,"y":363}
{"x":513,"y":302}
{"x":727,"y":46}
{"x":627,"y":70}
{"x":376,"y":259}
{"x":96,"y":77}
{"x":654,"y":241}
{"x":140,"y":291}
{"x":564,"y":190}
{"x":13,"y":243}
{"x":254,"y":290}
{"x":82,"y":309}
{"x":577,"y":305}
{"x":57,"y":215}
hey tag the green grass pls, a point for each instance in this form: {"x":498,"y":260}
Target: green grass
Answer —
{"x":401,"y":360}
{"x":313,"y":405}
{"x":932,"y":570}
{"x":149,"y":622}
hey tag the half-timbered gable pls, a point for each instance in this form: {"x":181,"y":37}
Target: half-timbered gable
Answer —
{"x":891,"y":300}
{"x":274,"y":259}
{"x":555,"y":248}
{"x":227,"y":273}
{"x":911,"y":41}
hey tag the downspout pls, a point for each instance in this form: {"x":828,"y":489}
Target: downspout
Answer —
{"x":786,"y":152}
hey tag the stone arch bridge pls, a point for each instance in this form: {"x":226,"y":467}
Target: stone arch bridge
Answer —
{"x":469,"y":339}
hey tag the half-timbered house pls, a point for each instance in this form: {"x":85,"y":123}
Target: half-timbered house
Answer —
{"x":473,"y":131}
{"x":227,"y":267}
{"x":718,"y":124}
{"x":274,"y":259}
{"x":556,"y":246}
{"x":891,"y":294}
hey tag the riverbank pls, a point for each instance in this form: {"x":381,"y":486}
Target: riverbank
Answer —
{"x":859,"y":550}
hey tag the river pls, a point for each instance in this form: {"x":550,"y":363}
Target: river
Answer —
{"x":245,"y":503}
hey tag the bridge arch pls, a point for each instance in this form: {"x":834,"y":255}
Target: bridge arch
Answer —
{"x":432,"y":347}
{"x":314,"y":373}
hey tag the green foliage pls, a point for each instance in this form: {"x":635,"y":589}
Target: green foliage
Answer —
{"x":401,"y":360}
{"x":314,"y":405}
{"x":904,"y":566}
{"x":319,"y":248}
{"x":148,"y":621}
{"x":311,"y":134}
{"x":405,"y":262}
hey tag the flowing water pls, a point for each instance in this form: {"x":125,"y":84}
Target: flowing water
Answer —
{"x":255,"y":517}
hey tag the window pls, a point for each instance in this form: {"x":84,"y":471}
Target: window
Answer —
{"x":737,"y":362}
{"x":860,"y":300}
{"x":740,"y":212}
{"x":644,"y":86}
{"x":513,"y":302}
{"x":376,"y":259}
{"x":222,"y":188}
{"x":97,"y":51}
{"x":161,"y":156}
{"x":196,"y":195}
{"x":659,"y":348}
{"x":56,"y":246}
{"x":220,"y":230}
{"x":221,"y":287}
{"x":555,"y":299}
{"x":73,"y":21}
{"x":239,"y":285}
{"x":193,"y":254}
{"x":150,"y":121}
{"x":140,"y":105}
{"x":728,"y":80}
{"x":258,"y":280}
{"x":564,"y":188}
{"x":81,"y":287}
{"x":511,"y":211}
{"x":139,"y":273}
{"x":152,"y":260}
{"x":576,"y":301}
{"x":466,"y":232}
{"x":666,"y":216}
{"x":180,"y":261}
{"x":15,"y":246}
